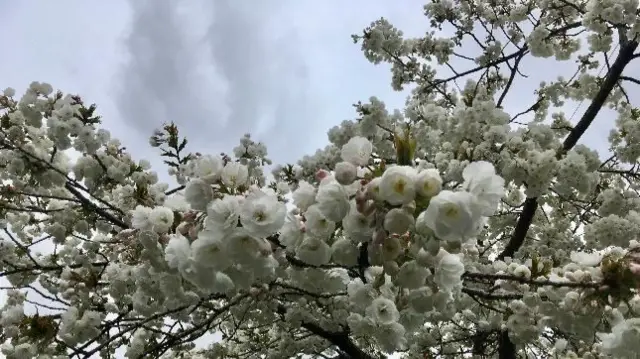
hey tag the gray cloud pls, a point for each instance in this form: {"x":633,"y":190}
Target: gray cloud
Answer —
{"x":153,"y":84}
{"x":266,"y":75}
{"x":255,"y":79}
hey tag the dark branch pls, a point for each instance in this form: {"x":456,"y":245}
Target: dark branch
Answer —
{"x":531,"y":204}
{"x":514,"y":71}
{"x":506,"y":348}
{"x":90,"y":205}
{"x":339,"y":339}
{"x":174,"y":190}
{"x":630,"y":79}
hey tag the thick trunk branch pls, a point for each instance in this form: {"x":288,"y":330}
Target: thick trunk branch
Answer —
{"x":506,"y":348}
{"x":531,"y":204}
{"x":339,"y":339}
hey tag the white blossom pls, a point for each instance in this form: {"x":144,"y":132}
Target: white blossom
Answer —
{"x":412,"y":275}
{"x":317,"y":224}
{"x":235,"y":174}
{"x":398,"y":221}
{"x":224,"y":214}
{"x":262,"y":214}
{"x":373,"y":189}
{"x":428,"y":182}
{"x":333,"y":201}
{"x":314,"y":251}
{"x":448,"y":274}
{"x":391,"y":248}
{"x":208,"y":168}
{"x":357,"y":151}
{"x":178,"y":252}
{"x":345,"y":252}
{"x":345,"y":173}
{"x":292,"y":232}
{"x":451,"y":216}
{"x":586,"y":259}
{"x":209,"y":250}
{"x":140,"y":217}
{"x":304,"y":196}
{"x":623,"y":339}
{"x":198,"y":193}
{"x":487,"y":187}
{"x":392,"y":337}
{"x":161,"y":219}
{"x":397,"y":185}
{"x":383,"y":311}
{"x":356,"y":225}
{"x":362,"y":295}
{"x":430,"y":228}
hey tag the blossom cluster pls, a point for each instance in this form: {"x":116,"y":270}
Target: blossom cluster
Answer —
{"x":235,"y":223}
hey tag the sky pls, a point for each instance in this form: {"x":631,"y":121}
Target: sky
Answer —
{"x":285,"y":71}
{"x":218,"y":69}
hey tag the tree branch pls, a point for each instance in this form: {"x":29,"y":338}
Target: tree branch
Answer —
{"x":177,"y":189}
{"x":630,"y":79}
{"x":87,"y":203}
{"x":339,"y":339}
{"x":514,"y":71}
{"x":506,"y":348}
{"x":531,"y":204}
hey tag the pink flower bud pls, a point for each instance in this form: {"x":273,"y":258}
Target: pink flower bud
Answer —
{"x":321,"y":174}
{"x":183,"y":228}
{"x":360,"y":205}
{"x":189,"y":216}
{"x":193,"y":233}
{"x":164,"y":239}
{"x":366,"y":208}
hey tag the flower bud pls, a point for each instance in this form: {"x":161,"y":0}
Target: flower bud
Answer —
{"x":193,"y":233}
{"x":322,"y":174}
{"x":184,"y":228}
{"x":345,"y":173}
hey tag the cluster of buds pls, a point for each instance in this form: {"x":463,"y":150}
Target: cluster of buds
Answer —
{"x":364,"y":204}
{"x":189,"y":227}
{"x":322,"y":174}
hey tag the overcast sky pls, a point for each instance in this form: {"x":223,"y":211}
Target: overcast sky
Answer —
{"x":219,"y":69}
{"x":283,"y":70}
